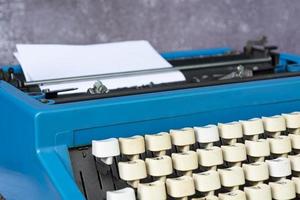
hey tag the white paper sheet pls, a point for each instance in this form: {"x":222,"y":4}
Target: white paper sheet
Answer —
{"x":41,"y":62}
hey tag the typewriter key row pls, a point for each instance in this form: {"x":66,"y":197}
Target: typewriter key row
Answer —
{"x":249,"y":159}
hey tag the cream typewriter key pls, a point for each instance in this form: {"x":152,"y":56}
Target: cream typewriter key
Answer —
{"x":106,"y":149}
{"x":207,"y":134}
{"x":132,"y":146}
{"x":293,"y":121}
{"x":256,"y":172}
{"x":274,"y":124}
{"x":232,"y":177}
{"x":132,"y":171}
{"x":208,"y":181}
{"x":206,"y":198}
{"x":233,"y":195}
{"x":260,"y":191}
{"x":283,"y":189}
{"x":252,"y":127}
{"x":234,"y":154}
{"x":150,"y":191}
{"x":210,"y":157}
{"x":297,"y":184}
{"x":180,"y":187}
{"x":295,"y":164}
{"x":279,"y":167}
{"x":185,"y":162}
{"x":159,"y":167}
{"x":183,"y":138}
{"x":158,"y":143}
{"x":258,"y":149}
{"x":229,"y":131}
{"x":295,"y":140}
{"x":124,"y":194}
{"x":280,"y":145}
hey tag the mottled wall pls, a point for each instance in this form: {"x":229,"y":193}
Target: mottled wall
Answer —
{"x":167,"y":24}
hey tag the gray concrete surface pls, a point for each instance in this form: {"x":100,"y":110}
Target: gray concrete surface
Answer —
{"x":167,"y":24}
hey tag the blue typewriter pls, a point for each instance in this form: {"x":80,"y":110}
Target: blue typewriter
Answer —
{"x":231,"y":130}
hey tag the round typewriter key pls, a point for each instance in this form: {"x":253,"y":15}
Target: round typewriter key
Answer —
{"x":125,"y":194}
{"x":256,"y":172}
{"x":150,"y":191}
{"x":292,"y":120}
{"x":233,"y":195}
{"x":295,"y":140}
{"x":207,"y":134}
{"x":232,"y":130}
{"x":252,"y":126}
{"x":132,"y":171}
{"x":207,"y":181}
{"x":274,"y":124}
{"x":159,"y":166}
{"x":259,"y":148}
{"x":297,"y":184}
{"x":106,"y":149}
{"x":280,"y":145}
{"x":158,"y":142}
{"x":234,"y":153}
{"x":279,"y":167}
{"x":209,"y":157}
{"x":180,"y":187}
{"x":261,"y":191}
{"x":231,"y":177}
{"x":284,"y":189}
{"x":183,"y":138}
{"x":185,"y":162}
{"x":132,"y":146}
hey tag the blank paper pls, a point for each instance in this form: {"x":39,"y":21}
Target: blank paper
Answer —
{"x":43,"y":62}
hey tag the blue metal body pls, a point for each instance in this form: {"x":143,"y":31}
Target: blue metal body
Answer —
{"x":35,"y":137}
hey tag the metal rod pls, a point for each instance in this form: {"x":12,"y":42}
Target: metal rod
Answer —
{"x":148,"y":71}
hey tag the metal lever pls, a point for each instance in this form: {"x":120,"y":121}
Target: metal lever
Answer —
{"x":98,"y":88}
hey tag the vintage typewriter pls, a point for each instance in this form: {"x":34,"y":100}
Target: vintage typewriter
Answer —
{"x":230,"y":131}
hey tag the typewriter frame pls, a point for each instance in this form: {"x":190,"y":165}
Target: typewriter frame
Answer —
{"x":36,"y":137}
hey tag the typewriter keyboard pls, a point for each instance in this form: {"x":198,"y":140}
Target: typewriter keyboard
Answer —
{"x":255,"y":159}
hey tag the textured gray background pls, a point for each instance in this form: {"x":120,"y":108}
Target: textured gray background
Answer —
{"x":167,"y":24}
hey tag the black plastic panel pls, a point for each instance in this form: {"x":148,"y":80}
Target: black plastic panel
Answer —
{"x":94,"y":178}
